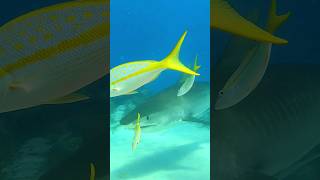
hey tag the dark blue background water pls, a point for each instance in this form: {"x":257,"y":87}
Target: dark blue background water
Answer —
{"x":150,"y":29}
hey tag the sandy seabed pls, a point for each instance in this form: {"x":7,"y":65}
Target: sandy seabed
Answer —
{"x":180,"y":152}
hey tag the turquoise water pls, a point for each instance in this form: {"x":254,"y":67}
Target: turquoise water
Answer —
{"x":143,"y":30}
{"x":176,"y":149}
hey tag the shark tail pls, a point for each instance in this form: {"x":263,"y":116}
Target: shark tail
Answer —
{"x":172,"y":61}
{"x":274,"y":20}
{"x":225,"y":18}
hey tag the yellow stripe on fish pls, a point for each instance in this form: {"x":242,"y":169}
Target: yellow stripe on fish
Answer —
{"x":52,"y":52}
{"x":18,"y":39}
{"x":43,"y":54}
{"x":128,"y":77}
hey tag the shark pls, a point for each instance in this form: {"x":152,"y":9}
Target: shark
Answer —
{"x":268,"y":135}
{"x":165,"y":108}
{"x":271,"y":132}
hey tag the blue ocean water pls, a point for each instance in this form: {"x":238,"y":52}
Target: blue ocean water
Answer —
{"x":149,"y":30}
{"x":143,"y":30}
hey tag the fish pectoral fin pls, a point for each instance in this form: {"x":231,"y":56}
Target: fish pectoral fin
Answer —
{"x":255,"y":176}
{"x":71,"y":98}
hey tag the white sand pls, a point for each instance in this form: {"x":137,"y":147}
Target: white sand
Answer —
{"x":180,"y":152}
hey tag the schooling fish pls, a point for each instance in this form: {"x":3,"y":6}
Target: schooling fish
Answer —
{"x":49,"y":53}
{"x":224,"y":17}
{"x":189,"y":80}
{"x":137,"y":134}
{"x":252,"y":68}
{"x":126,"y":78}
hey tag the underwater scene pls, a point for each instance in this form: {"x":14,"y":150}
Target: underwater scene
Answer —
{"x":53,"y":108}
{"x":159,"y":90}
{"x":265,"y":90}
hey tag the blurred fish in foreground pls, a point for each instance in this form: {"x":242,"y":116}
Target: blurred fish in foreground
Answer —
{"x":224,"y":17}
{"x":252,"y":68}
{"x":126,"y":78}
{"x":52,"y":52}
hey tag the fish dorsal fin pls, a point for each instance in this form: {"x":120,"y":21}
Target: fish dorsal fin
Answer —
{"x":274,"y":20}
{"x":172,"y":61}
{"x":224,"y":17}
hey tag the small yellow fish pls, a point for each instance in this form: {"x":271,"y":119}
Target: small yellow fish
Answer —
{"x":126,"y":78}
{"x":137,"y":134}
{"x":92,"y":171}
{"x":188,"y":81}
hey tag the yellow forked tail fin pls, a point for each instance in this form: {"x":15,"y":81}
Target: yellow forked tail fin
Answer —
{"x":196,"y":67}
{"x":224,"y":17}
{"x":172,"y":61}
{"x":275,"y":21}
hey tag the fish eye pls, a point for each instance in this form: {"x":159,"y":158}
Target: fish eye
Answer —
{"x":148,"y":117}
{"x":220,"y":92}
